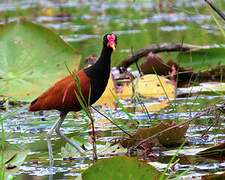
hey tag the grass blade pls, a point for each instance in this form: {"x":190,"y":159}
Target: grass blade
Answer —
{"x":124,"y":109}
{"x":171,"y":160}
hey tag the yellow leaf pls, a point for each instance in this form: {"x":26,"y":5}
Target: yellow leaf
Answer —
{"x":154,"y":107}
{"x":148,"y":86}
{"x":48,"y":11}
{"x":123,"y":92}
{"x":156,"y":87}
{"x":102,"y":124}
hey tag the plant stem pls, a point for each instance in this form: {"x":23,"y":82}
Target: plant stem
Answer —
{"x":111,"y":121}
{"x":2,"y":174}
{"x":197,"y":115}
{"x":93,"y":140}
{"x":220,"y":13}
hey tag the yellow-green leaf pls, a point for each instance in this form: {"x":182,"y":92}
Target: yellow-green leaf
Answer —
{"x":32,"y":58}
{"x":125,"y":168}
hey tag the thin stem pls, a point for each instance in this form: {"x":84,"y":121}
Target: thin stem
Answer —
{"x":2,"y":154}
{"x":220,"y":13}
{"x":197,"y":115}
{"x":111,"y":121}
{"x":144,"y":107}
{"x":93,"y":139}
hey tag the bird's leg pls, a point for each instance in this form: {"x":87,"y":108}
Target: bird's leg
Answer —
{"x":48,"y":137}
{"x":58,"y":125}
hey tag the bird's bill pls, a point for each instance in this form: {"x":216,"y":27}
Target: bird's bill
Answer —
{"x":113,"y":46}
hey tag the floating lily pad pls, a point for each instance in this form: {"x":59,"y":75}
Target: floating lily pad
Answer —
{"x":204,"y":87}
{"x":202,"y":58}
{"x":12,"y":161}
{"x":123,"y":92}
{"x":15,"y":157}
{"x":32,"y":58}
{"x":154,"y":86}
{"x":121,"y":168}
{"x":149,"y":85}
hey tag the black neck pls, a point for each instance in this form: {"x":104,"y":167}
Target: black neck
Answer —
{"x":101,"y":66}
{"x":99,"y":73}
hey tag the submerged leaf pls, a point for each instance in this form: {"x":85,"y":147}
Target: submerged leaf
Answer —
{"x":170,"y":138}
{"x":121,"y":168}
{"x":32,"y":58}
{"x":69,"y":151}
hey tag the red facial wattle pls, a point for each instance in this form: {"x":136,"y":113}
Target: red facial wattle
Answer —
{"x":111,"y":41}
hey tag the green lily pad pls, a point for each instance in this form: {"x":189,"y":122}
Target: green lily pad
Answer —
{"x":201,"y":59}
{"x":32,"y":58}
{"x":12,"y":161}
{"x":121,"y":168}
{"x":15,"y":157}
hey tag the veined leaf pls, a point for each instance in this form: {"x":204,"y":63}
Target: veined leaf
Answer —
{"x":32,"y":58}
{"x":121,"y":168}
{"x":201,"y":59}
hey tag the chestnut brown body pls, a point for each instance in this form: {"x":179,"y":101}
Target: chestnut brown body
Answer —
{"x":61,"y":96}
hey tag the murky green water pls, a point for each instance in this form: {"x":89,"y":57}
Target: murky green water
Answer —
{"x":29,"y":130}
{"x":138,"y":24}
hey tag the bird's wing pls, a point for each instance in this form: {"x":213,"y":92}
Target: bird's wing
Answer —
{"x":61,"y":95}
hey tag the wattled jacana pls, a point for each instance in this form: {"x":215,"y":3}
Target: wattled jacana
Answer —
{"x":61,"y":96}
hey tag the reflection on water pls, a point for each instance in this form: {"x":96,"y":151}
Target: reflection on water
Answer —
{"x":138,"y":24}
{"x":29,"y":130}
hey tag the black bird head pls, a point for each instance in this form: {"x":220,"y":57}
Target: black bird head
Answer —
{"x":110,"y":40}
